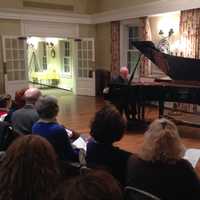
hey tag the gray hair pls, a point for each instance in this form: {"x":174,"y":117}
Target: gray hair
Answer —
{"x":162,"y":142}
{"x":47,"y":107}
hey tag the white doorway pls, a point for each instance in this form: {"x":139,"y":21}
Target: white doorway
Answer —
{"x":50,"y":62}
{"x":83,"y":59}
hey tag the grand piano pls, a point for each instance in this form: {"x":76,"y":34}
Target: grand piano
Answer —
{"x":184,"y":85}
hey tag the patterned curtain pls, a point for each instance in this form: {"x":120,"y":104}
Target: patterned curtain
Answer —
{"x":190,"y":40}
{"x":145,"y":34}
{"x":115,"y":47}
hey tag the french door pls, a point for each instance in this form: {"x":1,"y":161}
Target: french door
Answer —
{"x":85,"y":72}
{"x":15,"y":66}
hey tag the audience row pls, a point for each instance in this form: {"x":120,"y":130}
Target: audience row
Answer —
{"x":32,"y":166}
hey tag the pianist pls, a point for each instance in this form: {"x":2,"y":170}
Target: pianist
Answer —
{"x":122,"y":78}
{"x":117,"y":96}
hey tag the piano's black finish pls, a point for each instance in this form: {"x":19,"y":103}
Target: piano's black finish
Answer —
{"x":165,"y":92}
{"x":142,"y":93}
{"x":184,"y":88}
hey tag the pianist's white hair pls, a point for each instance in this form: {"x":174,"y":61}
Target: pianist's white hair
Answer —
{"x":162,"y":142}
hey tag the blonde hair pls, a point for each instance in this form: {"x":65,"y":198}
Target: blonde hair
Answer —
{"x":162,"y":142}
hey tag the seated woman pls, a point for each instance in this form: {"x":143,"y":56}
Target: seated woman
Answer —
{"x":98,"y":185}
{"x":18,"y":103}
{"x":29,"y":170}
{"x":107,"y":127}
{"x":5,"y":104}
{"x":160,"y":168}
{"x":48,"y":127}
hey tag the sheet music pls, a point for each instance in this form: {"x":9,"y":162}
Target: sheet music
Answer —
{"x":192,"y":155}
{"x":80,"y":143}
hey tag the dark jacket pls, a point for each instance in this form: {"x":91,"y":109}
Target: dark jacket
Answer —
{"x":24,"y":118}
{"x":119,"y":80}
{"x":109,"y":157}
{"x":169,"y":181}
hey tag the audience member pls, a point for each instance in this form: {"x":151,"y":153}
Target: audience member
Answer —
{"x":107,"y":127}
{"x":29,"y":170}
{"x":48,"y":127}
{"x":24,"y":118}
{"x":160,"y":168}
{"x":5,"y":104}
{"x":19,"y":102}
{"x":98,"y":185}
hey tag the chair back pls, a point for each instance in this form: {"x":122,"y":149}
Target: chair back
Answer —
{"x":7,"y":135}
{"x":71,"y":169}
{"x":132,"y":193}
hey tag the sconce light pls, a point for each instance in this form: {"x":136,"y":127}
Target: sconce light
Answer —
{"x":164,"y":42}
{"x":170,"y":33}
{"x":161,"y":32}
{"x":50,"y":44}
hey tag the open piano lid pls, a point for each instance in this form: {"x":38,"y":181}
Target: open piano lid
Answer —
{"x":177,"y":68}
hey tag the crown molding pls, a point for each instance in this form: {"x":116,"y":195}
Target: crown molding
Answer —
{"x":148,"y":9}
{"x":47,"y":16}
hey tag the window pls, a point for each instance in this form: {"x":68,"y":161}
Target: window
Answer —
{"x":44,"y":58}
{"x":132,"y":52}
{"x":67,"y":57}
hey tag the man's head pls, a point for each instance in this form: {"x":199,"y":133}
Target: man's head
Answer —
{"x":124,"y":72}
{"x":31,"y":95}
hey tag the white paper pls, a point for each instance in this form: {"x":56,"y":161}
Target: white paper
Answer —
{"x":192,"y":155}
{"x":69,"y":132}
{"x":80,"y":143}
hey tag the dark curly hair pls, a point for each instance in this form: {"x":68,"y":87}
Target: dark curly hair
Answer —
{"x":98,"y":185}
{"x":29,"y":170}
{"x":108,"y":125}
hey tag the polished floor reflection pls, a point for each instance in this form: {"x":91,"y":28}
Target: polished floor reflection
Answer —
{"x":76,"y":113}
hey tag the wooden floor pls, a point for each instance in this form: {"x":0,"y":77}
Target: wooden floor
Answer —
{"x":77,"y":111}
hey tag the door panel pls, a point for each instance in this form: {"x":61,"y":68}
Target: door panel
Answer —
{"x":85,"y":74}
{"x":14,"y":56}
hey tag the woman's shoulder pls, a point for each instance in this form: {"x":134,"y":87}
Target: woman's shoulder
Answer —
{"x":51,"y":125}
{"x":57,"y":127}
{"x":109,"y":148}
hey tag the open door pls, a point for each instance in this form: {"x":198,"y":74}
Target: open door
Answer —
{"x":14,"y":59}
{"x":85,"y":73}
